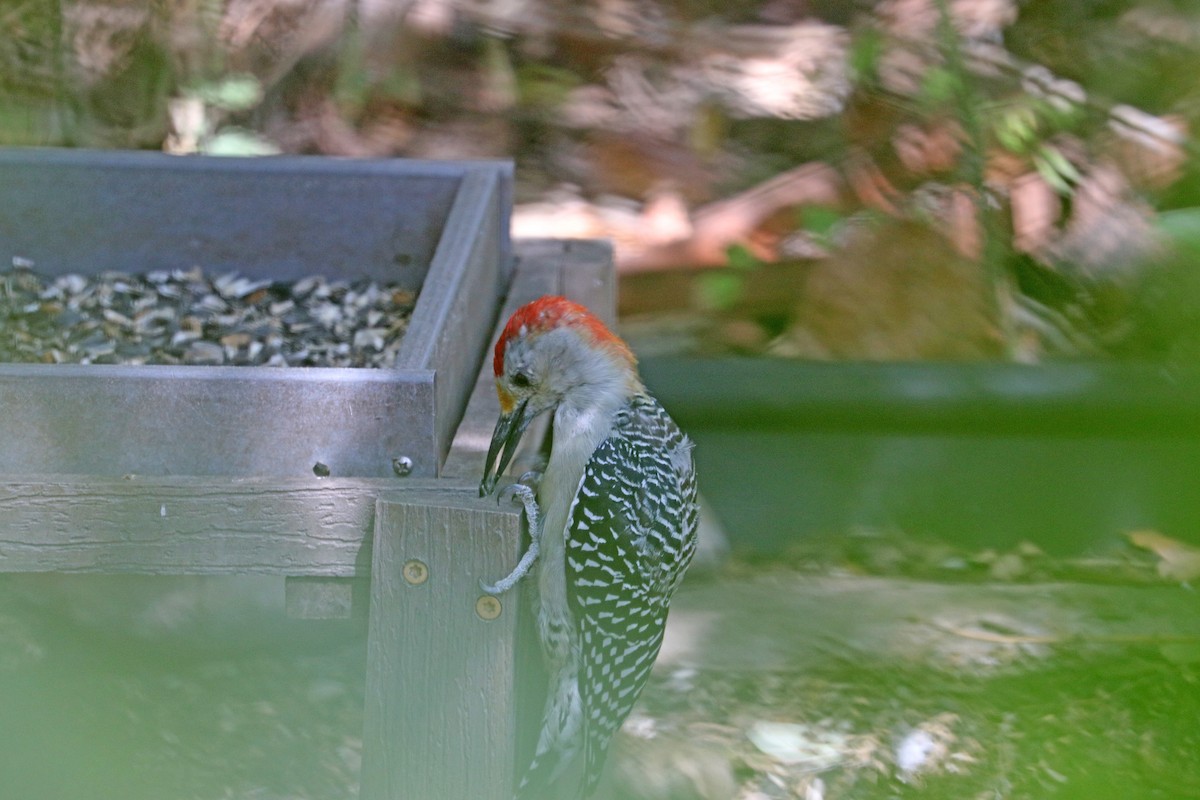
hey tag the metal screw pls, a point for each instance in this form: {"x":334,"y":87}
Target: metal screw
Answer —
{"x":415,"y":572}
{"x":488,"y":607}
{"x":321,"y":470}
{"x":402,"y":466}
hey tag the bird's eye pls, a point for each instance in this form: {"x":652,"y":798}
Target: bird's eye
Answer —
{"x":520,"y":380}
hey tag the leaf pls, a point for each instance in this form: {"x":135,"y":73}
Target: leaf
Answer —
{"x":544,"y":86}
{"x":351,"y":87}
{"x":1052,"y":176}
{"x":740,"y":257}
{"x":1017,"y":129}
{"x":238,"y":142}
{"x":718,"y":291}
{"x":708,"y":131}
{"x":1060,"y":164}
{"x":237,"y":92}
{"x":940,"y":86}
{"x":820,"y":220}
{"x":865,"y":53}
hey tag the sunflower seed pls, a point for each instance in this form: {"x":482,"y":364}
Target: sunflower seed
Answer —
{"x":185,"y":317}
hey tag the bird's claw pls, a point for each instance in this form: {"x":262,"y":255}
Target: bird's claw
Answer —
{"x":519,"y":491}
{"x":515,"y":491}
{"x":531,"y":478}
{"x":520,"y":571}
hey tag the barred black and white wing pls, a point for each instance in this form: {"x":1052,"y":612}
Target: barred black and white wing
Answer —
{"x":631,"y":535}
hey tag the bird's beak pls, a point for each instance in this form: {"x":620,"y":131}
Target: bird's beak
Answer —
{"x":505,"y":438}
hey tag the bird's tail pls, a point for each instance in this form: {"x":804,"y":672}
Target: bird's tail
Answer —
{"x":597,"y":753}
{"x":558,"y":743}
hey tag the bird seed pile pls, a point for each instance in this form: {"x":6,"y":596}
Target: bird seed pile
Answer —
{"x":188,"y":317}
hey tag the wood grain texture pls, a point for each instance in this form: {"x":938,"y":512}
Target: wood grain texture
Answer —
{"x":440,"y":714}
{"x":445,"y":698}
{"x":470,"y":445}
{"x":438,"y":226}
{"x":587,"y":276}
{"x":108,"y":419}
{"x":188,"y":525}
{"x":461,"y":297}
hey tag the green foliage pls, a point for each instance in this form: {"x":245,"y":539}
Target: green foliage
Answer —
{"x":940,"y":88}
{"x":708,"y":130}
{"x":820,"y":222}
{"x":544,"y":86}
{"x":1018,"y":128}
{"x":1056,"y":170}
{"x":741,"y":258}
{"x":719,"y":291}
{"x":351,"y":88}
{"x":866,"y":51}
{"x":401,"y":84}
{"x":1182,"y":228}
{"x":233,"y":141}
{"x":1026,"y":128}
{"x":722,"y":290}
{"x":234,"y":92}
{"x":1185,"y":655}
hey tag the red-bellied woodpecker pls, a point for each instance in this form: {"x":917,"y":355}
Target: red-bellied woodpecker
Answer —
{"x":612,"y":528}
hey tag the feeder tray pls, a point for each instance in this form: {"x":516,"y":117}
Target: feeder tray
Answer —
{"x":437,"y":228}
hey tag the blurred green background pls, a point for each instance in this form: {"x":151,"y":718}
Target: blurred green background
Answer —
{"x":841,"y":208}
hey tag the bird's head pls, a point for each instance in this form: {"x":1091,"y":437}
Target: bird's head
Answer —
{"x":553,"y":352}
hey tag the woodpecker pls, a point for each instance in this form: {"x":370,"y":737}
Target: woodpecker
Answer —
{"x":612,"y":527}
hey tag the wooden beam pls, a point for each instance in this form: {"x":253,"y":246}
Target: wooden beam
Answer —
{"x":587,"y":275}
{"x":189,"y":525}
{"x":465,"y":283}
{"x":441,"y":703}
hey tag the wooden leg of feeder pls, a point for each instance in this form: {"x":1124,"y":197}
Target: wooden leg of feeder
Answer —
{"x":440,"y":716}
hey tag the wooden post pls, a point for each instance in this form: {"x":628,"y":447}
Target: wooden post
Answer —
{"x":440,"y":716}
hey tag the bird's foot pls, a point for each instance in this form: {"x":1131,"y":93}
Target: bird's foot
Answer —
{"x":531,"y":478}
{"x":519,"y":491}
{"x":522,"y":492}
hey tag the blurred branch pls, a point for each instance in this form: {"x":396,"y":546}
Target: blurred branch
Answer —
{"x":719,"y":225}
{"x":664,"y":234}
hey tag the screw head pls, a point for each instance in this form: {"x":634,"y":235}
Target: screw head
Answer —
{"x":402,"y":466}
{"x":488,"y":607}
{"x":415,"y":572}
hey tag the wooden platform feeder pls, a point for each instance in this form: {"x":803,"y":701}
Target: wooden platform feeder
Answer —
{"x":210,"y":470}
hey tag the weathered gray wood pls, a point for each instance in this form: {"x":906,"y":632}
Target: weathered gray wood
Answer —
{"x":162,"y":420}
{"x":462,"y":294}
{"x":583,"y":272}
{"x":444,"y":697}
{"x":440,"y":698}
{"x":189,"y":525}
{"x":465,"y":459}
{"x":438,"y":226}
{"x":278,"y":218}
{"x":587,"y":274}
